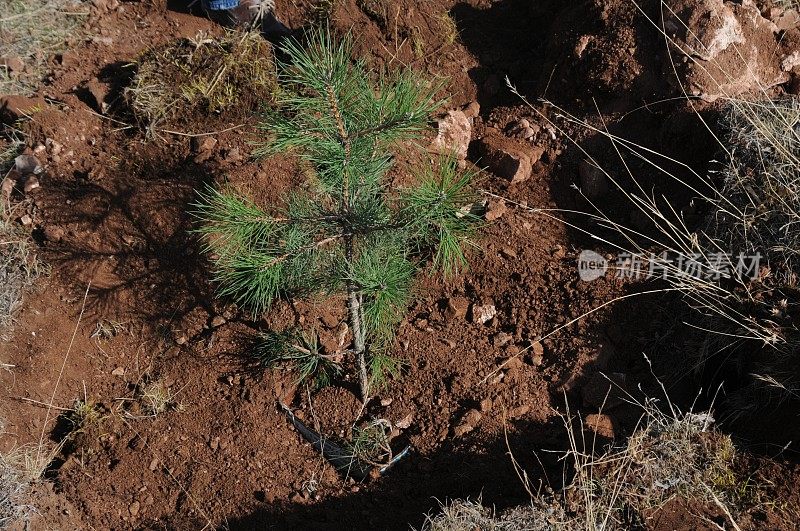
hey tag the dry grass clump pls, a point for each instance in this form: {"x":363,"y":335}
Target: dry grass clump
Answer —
{"x":758,"y":211}
{"x":181,"y":82}
{"x":14,"y":490}
{"x":670,"y":456}
{"x":461,"y":515}
{"x":156,"y":398}
{"x":19,"y":268}
{"x":739,"y":269}
{"x":31,"y":32}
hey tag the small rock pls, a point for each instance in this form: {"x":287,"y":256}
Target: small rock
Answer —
{"x":593,"y":181}
{"x":472,"y":110}
{"x":508,"y":160}
{"x":601,"y":424}
{"x":495,"y":209}
{"x":26,"y":220}
{"x":483,"y":313}
{"x":54,"y":147}
{"x":119,"y":371}
{"x":519,"y":411}
{"x":7,"y":187}
{"x":457,"y":307}
{"x":386,"y":402}
{"x":105,"y":41}
{"x":39,"y":149}
{"x":153,"y":464}
{"x":405,"y":422}
{"x":511,"y":363}
{"x":99,"y":92}
{"x":53,"y":233}
{"x":537,"y":353}
{"x":217,"y":321}
{"x":785,"y":20}
{"x":233,"y":156}
{"x":13,"y":64}
{"x":31,"y":184}
{"x":203,"y":144}
{"x":214,"y":443}
{"x":27,"y":164}
{"x":472,"y":417}
{"x":508,"y":252}
{"x":486,"y":405}
{"x":181,"y":340}
{"x":462,"y":429}
{"x":501,"y":339}
{"x":134,"y":508}
{"x":455,"y":134}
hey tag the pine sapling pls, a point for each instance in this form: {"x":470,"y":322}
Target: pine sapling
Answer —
{"x":347,"y":231}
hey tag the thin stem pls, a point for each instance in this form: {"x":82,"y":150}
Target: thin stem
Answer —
{"x":356,"y":311}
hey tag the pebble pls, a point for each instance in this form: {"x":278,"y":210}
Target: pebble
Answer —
{"x":495,"y":209}
{"x":486,"y":405}
{"x":483,"y":313}
{"x":457,"y":307}
{"x":537,"y":353}
{"x":26,"y":164}
{"x":601,"y":424}
{"x":31,"y":184}
{"x":134,"y":508}
{"x":472,"y":110}
{"x":53,"y":233}
{"x":519,"y":411}
{"x":119,"y":371}
{"x":218,"y":321}
{"x":501,"y":339}
{"x":7,"y":187}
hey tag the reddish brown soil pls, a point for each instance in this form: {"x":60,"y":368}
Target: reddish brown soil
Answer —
{"x":226,"y":456}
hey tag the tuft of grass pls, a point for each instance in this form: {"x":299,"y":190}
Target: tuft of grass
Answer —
{"x":84,"y":417}
{"x":202,"y":76}
{"x":300,"y":352}
{"x":322,"y":10}
{"x":377,"y":10}
{"x":745,"y":305}
{"x":156,"y":398}
{"x":461,"y":515}
{"x":449,"y":28}
{"x":106,"y":329}
{"x":14,"y":490}
{"x":32,"y":32}
{"x":670,"y":455}
{"x":19,"y":268}
{"x":370,"y":443}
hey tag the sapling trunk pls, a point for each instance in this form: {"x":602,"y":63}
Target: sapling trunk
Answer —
{"x":356,"y":311}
